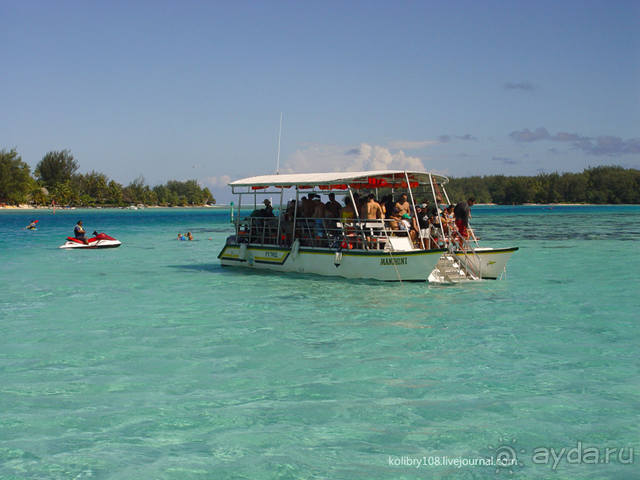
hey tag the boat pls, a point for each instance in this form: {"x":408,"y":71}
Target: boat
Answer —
{"x":386,"y":249}
{"x":99,"y":240}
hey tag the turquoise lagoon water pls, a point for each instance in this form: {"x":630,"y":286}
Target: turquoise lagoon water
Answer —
{"x":150,"y":361}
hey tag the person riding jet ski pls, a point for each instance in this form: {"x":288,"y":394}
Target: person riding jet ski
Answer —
{"x":79,"y":233}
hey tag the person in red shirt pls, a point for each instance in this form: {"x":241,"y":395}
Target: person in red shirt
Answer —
{"x":462,"y":212}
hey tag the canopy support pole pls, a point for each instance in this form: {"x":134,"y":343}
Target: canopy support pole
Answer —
{"x":415,"y":212}
{"x":238,"y":216}
{"x":355,"y":209}
{"x":295,"y":216}
{"x":435,"y":201}
{"x":444,"y":190}
{"x":279,"y":216}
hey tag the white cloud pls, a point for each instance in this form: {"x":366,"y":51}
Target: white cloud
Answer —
{"x":336,"y":158}
{"x":220,"y":181}
{"x":413,"y":144}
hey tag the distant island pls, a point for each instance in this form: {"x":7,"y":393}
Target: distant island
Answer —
{"x":55,"y":179}
{"x":596,"y":185}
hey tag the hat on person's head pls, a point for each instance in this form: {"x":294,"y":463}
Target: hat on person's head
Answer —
{"x":266,"y":201}
{"x":424,"y":205}
{"x":406,"y":215}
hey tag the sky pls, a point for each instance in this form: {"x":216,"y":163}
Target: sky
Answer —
{"x":194,"y":89}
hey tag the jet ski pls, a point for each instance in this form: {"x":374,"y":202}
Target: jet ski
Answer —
{"x":99,"y":240}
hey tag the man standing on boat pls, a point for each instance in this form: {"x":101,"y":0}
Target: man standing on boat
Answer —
{"x":268,"y":209}
{"x":373,"y":210}
{"x":403,"y":205}
{"x":428,"y":209}
{"x":332,"y":207}
{"x":462,"y":212}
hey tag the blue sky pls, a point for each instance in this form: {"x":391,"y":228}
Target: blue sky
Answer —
{"x":194,"y":89}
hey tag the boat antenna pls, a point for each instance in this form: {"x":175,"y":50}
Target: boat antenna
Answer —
{"x":278,"y":157}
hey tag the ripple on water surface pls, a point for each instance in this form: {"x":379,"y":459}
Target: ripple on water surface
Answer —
{"x":152,"y":361}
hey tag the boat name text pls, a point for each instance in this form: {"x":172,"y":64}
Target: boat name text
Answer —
{"x":393,"y":261}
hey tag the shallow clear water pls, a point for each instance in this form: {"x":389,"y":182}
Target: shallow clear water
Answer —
{"x":152,"y":361}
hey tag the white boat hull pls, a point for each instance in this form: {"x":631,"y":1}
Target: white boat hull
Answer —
{"x":486,"y":262}
{"x":415,"y":265}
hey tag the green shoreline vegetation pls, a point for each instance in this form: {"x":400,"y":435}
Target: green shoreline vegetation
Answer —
{"x":595,"y":185}
{"x":55,"y":179}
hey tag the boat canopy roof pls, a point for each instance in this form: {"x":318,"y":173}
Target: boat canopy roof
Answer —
{"x":341,"y":180}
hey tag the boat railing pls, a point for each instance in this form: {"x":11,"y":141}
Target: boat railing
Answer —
{"x":372,"y":234}
{"x":470,"y":261}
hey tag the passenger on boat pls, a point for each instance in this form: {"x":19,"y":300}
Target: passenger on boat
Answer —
{"x":436,"y":229}
{"x":448,"y":212}
{"x":372,"y":209}
{"x":462,"y":212}
{"x":306,"y":206}
{"x":408,"y":225}
{"x":318,"y":214}
{"x":347,"y":212}
{"x":394,"y":220}
{"x":332,"y":214}
{"x":430,"y":209}
{"x":268,"y":209}
{"x":362,"y":205}
{"x":403,"y":205}
{"x":446,"y":219}
{"x":290,"y":211}
{"x":332,"y":207}
{"x":347,"y":216}
{"x":423,"y":218}
{"x":387,"y":205}
{"x":318,"y":206}
{"x":286,"y":233}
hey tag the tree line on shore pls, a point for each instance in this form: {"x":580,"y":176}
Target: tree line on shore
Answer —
{"x":599,"y":185}
{"x":56,"y":179}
